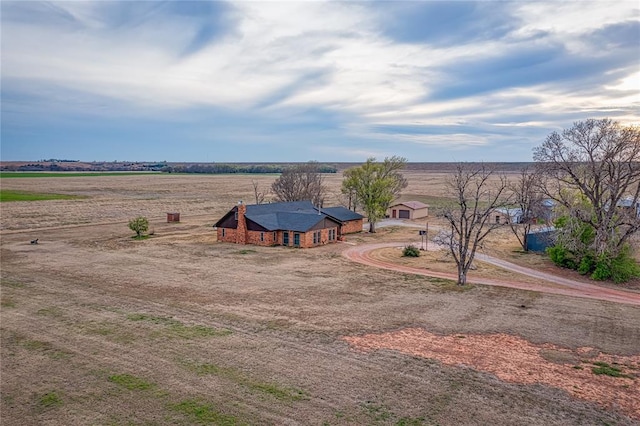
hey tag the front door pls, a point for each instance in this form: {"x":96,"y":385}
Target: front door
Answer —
{"x":393,"y":213}
{"x":285,"y":238}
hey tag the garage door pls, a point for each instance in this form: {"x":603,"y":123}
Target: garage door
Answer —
{"x":403,"y":214}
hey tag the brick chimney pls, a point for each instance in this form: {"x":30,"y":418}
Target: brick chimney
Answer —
{"x":241,"y":230}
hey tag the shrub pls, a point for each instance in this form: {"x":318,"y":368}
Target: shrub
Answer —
{"x":561,"y":256}
{"x":602,"y":270}
{"x":587,"y":264}
{"x":620,"y":269}
{"x":411,"y":251}
{"x":139,"y":225}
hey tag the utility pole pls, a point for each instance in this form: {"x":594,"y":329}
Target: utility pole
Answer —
{"x":426,"y":237}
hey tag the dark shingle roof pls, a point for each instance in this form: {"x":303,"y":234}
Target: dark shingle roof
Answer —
{"x":300,"y":216}
{"x":290,"y":221}
{"x":292,"y":215}
{"x":289,"y":206}
{"x":341,"y":214}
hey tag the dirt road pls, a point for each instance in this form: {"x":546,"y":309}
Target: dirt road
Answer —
{"x":548,"y":282}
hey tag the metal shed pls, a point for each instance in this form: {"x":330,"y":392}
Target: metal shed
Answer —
{"x":540,"y":239}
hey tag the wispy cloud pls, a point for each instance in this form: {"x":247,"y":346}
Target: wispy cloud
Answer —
{"x":312,"y":80}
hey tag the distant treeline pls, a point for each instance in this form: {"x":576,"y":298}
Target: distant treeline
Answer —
{"x":77,"y":166}
{"x":214,"y":168}
{"x":218,"y":168}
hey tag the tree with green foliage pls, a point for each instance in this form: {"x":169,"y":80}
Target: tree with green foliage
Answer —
{"x":139,"y":225}
{"x":592,"y":171}
{"x":375,"y":185}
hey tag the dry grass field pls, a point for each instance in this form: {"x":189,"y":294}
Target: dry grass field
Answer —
{"x":100,"y":329}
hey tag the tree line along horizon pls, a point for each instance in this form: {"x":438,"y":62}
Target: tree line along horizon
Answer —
{"x":56,"y":165}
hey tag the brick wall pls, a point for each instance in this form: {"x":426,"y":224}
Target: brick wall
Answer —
{"x":259,"y":238}
{"x":267,"y":237}
{"x":352,"y":226}
{"x":241,"y":232}
{"x":229,"y":235}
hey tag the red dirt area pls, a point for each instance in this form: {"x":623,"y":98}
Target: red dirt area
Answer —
{"x":514,"y":359}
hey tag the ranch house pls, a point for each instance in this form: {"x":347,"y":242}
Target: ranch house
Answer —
{"x":293,"y":224}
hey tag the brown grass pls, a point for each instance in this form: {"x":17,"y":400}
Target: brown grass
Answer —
{"x":253,"y":338}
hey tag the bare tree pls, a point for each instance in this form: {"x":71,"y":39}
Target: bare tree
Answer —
{"x":597,"y":161}
{"x":469,"y":217}
{"x":257,"y":193}
{"x":527,"y":198}
{"x":349,"y":192}
{"x":299,"y":183}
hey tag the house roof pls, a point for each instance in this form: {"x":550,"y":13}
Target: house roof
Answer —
{"x":627,"y":202}
{"x":415,"y":205}
{"x":298,"y":216}
{"x":290,"y":221}
{"x":341,"y":214}
{"x":288,"y":206}
{"x":542,"y":230}
{"x":511,"y":211}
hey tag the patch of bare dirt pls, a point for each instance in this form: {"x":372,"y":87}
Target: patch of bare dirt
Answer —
{"x":516,"y":360}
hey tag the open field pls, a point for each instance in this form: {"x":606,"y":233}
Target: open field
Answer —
{"x":9,"y":195}
{"x":98,"y":328}
{"x":18,"y":175}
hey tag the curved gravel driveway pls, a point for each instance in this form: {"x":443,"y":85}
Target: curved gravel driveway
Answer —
{"x":553,"y":284}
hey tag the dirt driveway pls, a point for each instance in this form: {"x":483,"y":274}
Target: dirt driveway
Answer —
{"x":562,"y":286}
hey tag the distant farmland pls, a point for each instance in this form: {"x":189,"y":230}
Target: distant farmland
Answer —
{"x":14,"y":175}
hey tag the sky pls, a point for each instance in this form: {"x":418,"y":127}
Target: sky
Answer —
{"x":310,"y":80}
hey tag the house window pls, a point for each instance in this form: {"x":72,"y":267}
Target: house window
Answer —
{"x":296,"y":239}
{"x":262,"y":236}
{"x":498,"y":219}
{"x":332,"y":234}
{"x":223,"y":233}
{"x":275,"y":237}
{"x":285,"y":238}
{"x":235,"y":215}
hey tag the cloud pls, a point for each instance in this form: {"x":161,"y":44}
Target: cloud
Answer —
{"x":303,"y":78}
{"x":446,"y":23}
{"x":620,"y":35}
{"x":551,"y":66}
